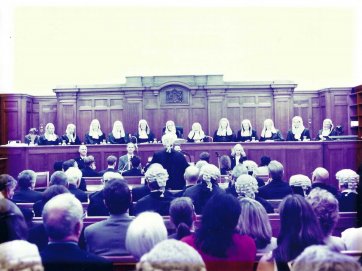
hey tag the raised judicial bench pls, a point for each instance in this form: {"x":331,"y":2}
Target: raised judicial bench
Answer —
{"x":346,"y":220}
{"x":297,"y":157}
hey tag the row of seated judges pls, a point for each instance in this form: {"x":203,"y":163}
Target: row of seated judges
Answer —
{"x":233,"y":228}
{"x":144,"y":134}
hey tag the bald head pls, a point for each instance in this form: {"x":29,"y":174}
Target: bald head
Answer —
{"x":191,"y":175}
{"x":320,"y":175}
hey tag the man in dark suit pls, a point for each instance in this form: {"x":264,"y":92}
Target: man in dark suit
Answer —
{"x":72,"y":163}
{"x":63,"y":221}
{"x":96,"y":205}
{"x":174,"y":162}
{"x":320,"y":178}
{"x":26,"y":183}
{"x":276,"y":188}
{"x":107,"y":237}
{"x":82,"y":154}
{"x":111,"y":165}
{"x":135,"y":169}
{"x":74,"y":176}
{"x":89,"y":169}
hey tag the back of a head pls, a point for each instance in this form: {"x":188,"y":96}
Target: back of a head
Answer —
{"x":144,"y":232}
{"x":326,"y":208}
{"x":219,"y":219}
{"x":254,"y":222}
{"x":182,"y":215}
{"x":111,"y":160}
{"x":251,"y":166}
{"x":157,"y":177}
{"x":67,"y":164}
{"x":88,"y":160}
{"x":200,"y":164}
{"x":19,"y":255}
{"x":61,"y":215}
{"x":210,"y":173}
{"x":12,"y":223}
{"x":347,"y":179}
{"x":205,"y":156}
{"x":295,"y":210}
{"x":321,"y":258}
{"x":246,"y":186}
{"x":7,"y":183}
{"x":239,"y":170}
{"x":320,"y":175}
{"x":171,"y":255}
{"x":117,"y":196}
{"x":191,"y":175}
{"x":54,"y":190}
{"x":168,"y":140}
{"x":276,"y":170}
{"x":74,"y":175}
{"x":300,"y":180}
{"x":264,"y":161}
{"x":109,"y":175}
{"x":225,"y":161}
{"x":59,"y":178}
{"x":26,"y":179}
{"x":135,"y":161}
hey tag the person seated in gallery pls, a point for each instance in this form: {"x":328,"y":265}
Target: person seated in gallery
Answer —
{"x":320,"y":178}
{"x":135,"y":167}
{"x":49,"y":137}
{"x":70,"y":137}
{"x":118,"y":135}
{"x":74,"y":176}
{"x":26,"y":184}
{"x":196,"y":134}
{"x":89,"y":169}
{"x":326,"y":131}
{"x":224,"y":132}
{"x":83,"y":150}
{"x":246,"y":133}
{"x":159,"y":199}
{"x":225,"y":164}
{"x":32,"y":138}
{"x":124,"y":162}
{"x":144,"y":133}
{"x":111,"y":165}
{"x":237,"y":156}
{"x":170,"y":128}
{"x":269,"y":132}
{"x":298,"y":131}
{"x":348,"y":181}
{"x":95,"y":134}
{"x":300,"y":184}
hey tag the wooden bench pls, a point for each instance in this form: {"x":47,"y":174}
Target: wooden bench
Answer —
{"x":29,"y":205}
{"x":122,"y":263}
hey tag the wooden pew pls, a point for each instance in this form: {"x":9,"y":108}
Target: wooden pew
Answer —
{"x":29,"y":205}
{"x":122,"y":263}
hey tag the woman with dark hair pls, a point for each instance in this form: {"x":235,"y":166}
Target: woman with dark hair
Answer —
{"x":217,"y":241}
{"x":182,"y":215}
{"x":299,"y":228}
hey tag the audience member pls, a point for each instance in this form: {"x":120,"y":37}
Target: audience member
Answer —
{"x":70,"y":137}
{"x":74,"y":176}
{"x":246,"y":133}
{"x":111,"y":165}
{"x":298,"y":131}
{"x":236,"y":172}
{"x":19,"y":255}
{"x":159,"y":199}
{"x":247,"y":186}
{"x":89,"y":169}
{"x":208,"y":186}
{"x":252,"y":168}
{"x":325,"y":206}
{"x":225,"y":164}
{"x":12,"y":222}
{"x":205,"y":156}
{"x":299,"y":229}
{"x":276,"y":188}
{"x":300,"y":184}
{"x":216,"y":240}
{"x":118,"y":135}
{"x":72,"y":163}
{"x":59,"y":178}
{"x":348,"y":182}
{"x":96,"y":205}
{"x":95,"y":134}
{"x":263,"y":167}
{"x":144,"y":232}
{"x":107,"y":237}
{"x":7,"y":186}
{"x":83,"y":150}
{"x":49,"y":193}
{"x":254,"y":222}
{"x":63,"y":221}
{"x":182,"y":215}
{"x":26,"y":184}
{"x":135,"y":169}
{"x":322,"y":258}
{"x":124,"y":162}
{"x":58,"y":166}
{"x":224,"y":132}
{"x":49,"y":137}
{"x":320,"y":178}
{"x":171,"y":255}
{"x":191,"y":176}
{"x":173,"y":161}
{"x":200,"y":164}
{"x":352,"y":238}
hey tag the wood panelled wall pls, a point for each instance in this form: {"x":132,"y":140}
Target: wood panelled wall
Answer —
{"x":206,"y":99}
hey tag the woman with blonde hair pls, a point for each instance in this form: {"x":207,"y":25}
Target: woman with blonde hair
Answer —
{"x":95,"y":134}
{"x":298,"y":131}
{"x":254,"y":222}
{"x":246,"y":133}
{"x":49,"y":137}
{"x":196,"y":134}
{"x":118,"y":135}
{"x":144,"y":133}
{"x":238,"y":155}
{"x":269,"y":132}
{"x":224,"y":132}
{"x":70,"y":137}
